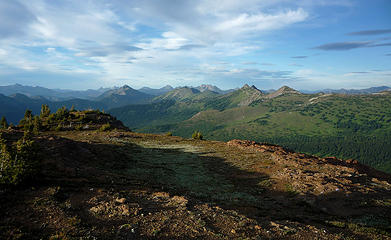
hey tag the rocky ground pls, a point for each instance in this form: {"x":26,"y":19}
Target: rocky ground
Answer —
{"x":124,"y":185}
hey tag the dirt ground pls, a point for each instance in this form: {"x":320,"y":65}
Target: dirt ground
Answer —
{"x":124,"y":185}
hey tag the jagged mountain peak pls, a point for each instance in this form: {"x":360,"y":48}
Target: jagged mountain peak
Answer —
{"x":167,"y":87}
{"x":251,"y":88}
{"x":125,"y":87}
{"x":122,"y":96}
{"x":282,"y":91}
{"x":245,"y":86}
{"x":209,"y":87}
{"x":286,"y":88}
{"x":124,"y":90}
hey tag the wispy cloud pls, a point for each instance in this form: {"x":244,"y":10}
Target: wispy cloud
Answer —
{"x":371,"y":32}
{"x":380,"y":44}
{"x":15,"y":19}
{"x":342,"y":46}
{"x":249,"y":63}
{"x":103,"y":51}
{"x":299,"y":57}
{"x":267,"y":64}
{"x":295,"y":65}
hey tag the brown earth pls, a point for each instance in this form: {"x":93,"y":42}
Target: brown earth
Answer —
{"x":124,"y":185}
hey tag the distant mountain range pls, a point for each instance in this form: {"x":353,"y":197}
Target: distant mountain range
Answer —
{"x":51,"y":94}
{"x":15,"y":99}
{"x":92,"y":94}
{"x":208,"y":87}
{"x":156,"y":92}
{"x":352,"y":91}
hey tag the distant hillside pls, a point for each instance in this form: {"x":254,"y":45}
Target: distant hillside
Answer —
{"x":241,"y":97}
{"x":178,"y":94}
{"x":352,"y":91}
{"x":14,"y":106}
{"x":186,"y":94}
{"x":123,"y":96}
{"x":359,"y":124}
{"x":51,"y":94}
{"x":156,"y":92}
{"x":284,"y":90}
{"x":208,"y":87}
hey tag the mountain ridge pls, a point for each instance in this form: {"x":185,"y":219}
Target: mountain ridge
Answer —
{"x":63,"y":94}
{"x":122,"y":96}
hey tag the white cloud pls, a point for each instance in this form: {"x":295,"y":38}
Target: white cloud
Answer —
{"x":148,"y":42}
{"x":245,"y":23}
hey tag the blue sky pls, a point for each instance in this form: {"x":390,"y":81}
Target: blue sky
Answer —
{"x":305,"y":44}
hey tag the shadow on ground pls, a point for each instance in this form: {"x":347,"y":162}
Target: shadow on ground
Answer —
{"x":128,"y":191}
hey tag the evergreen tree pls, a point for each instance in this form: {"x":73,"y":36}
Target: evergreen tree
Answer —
{"x":3,"y":123}
{"x":26,"y":122}
{"x":45,"y":111}
{"x":62,"y":113}
{"x":37,"y":125}
{"x":28,"y":115}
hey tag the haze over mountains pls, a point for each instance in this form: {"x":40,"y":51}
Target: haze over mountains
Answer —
{"x":91,"y":94}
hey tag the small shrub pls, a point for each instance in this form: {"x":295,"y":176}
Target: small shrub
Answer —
{"x":105,"y":127}
{"x":169,"y":134}
{"x":78,"y":127}
{"x":197,"y":135}
{"x":58,"y":128}
{"x":17,"y":163}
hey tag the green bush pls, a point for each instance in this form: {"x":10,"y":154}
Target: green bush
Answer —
{"x":17,"y":162}
{"x":169,"y":134}
{"x":58,"y":128}
{"x":197,"y":135}
{"x":105,"y":127}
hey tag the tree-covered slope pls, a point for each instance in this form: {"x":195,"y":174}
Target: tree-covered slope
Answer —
{"x":348,"y":126}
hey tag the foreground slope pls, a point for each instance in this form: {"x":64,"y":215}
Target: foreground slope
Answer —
{"x":123,"y":185}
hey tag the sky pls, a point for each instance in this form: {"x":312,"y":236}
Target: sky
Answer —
{"x":305,"y":44}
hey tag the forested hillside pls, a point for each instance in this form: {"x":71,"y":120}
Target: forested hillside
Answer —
{"x":347,"y":126}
